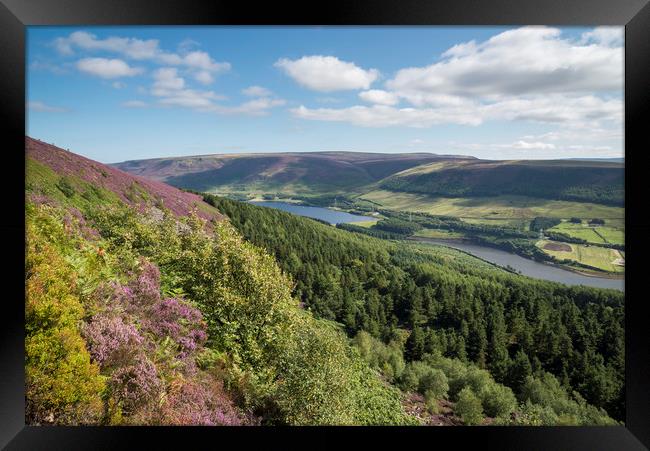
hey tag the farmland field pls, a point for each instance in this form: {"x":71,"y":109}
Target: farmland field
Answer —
{"x":368,"y":223}
{"x":435,"y":233}
{"x":598,"y":257}
{"x":491,"y":208}
{"x":601,"y":234}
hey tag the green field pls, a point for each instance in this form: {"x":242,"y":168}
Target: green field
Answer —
{"x":437,"y":233}
{"x":600,"y":234}
{"x":598,"y":257}
{"x":368,"y":223}
{"x":492,"y":208}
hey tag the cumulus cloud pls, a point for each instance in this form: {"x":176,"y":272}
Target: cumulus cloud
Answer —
{"x":171,"y":90}
{"x":524,"y":61}
{"x":167,"y":78}
{"x":608,"y":36}
{"x":204,"y":76}
{"x":379,"y":96}
{"x":551,"y":109}
{"x":41,"y":107}
{"x":531,"y":74}
{"x":256,"y":91}
{"x":531,"y":145}
{"x":199,"y":62}
{"x":327,"y":73}
{"x":385,"y":116}
{"x":107,"y":68}
{"x":257,"y":107}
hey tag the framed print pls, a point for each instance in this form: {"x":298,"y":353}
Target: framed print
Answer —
{"x":378,"y":218}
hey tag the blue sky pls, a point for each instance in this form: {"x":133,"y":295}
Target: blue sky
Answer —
{"x":122,"y":93}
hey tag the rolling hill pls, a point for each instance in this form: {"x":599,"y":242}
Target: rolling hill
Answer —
{"x":572,"y":180}
{"x":354,"y":172}
{"x":304,"y":173}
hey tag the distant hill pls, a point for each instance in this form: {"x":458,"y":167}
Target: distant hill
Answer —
{"x":584,"y":180}
{"x":573,"y":180}
{"x":59,"y":173}
{"x":306,"y":172}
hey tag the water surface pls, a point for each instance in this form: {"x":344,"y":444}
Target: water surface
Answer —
{"x":528,"y":267}
{"x":325,"y":214}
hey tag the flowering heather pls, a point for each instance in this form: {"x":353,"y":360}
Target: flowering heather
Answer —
{"x":200,"y":402}
{"x":135,"y":384}
{"x":180,"y":321}
{"x":119,"y":182}
{"x":41,"y":199}
{"x":111,"y":342}
{"x":74,"y":220}
{"x":145,"y":288}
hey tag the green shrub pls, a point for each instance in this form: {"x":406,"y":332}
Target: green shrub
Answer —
{"x":66,"y":187}
{"x":63,"y":386}
{"x":498,"y":400}
{"x":468,"y":407}
{"x":434,"y":382}
{"x":431,"y":402}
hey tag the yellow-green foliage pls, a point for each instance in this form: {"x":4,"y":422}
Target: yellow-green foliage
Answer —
{"x":597,"y":257}
{"x":287,"y":365}
{"x":62,"y":385}
{"x":490,"y":208}
{"x":324,"y":381}
{"x":468,"y":407}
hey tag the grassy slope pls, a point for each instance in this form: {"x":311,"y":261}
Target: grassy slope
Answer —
{"x":598,"y":257}
{"x":570,"y":180}
{"x":491,"y":208}
{"x":76,"y":180}
{"x":601,"y":234}
{"x":286,"y":173}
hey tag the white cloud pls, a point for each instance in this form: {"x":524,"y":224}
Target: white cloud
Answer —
{"x":523,"y":61}
{"x":204,"y":77}
{"x":171,"y":90}
{"x":130,"y":47}
{"x":134,"y":104}
{"x":531,"y":145}
{"x":138,"y":49}
{"x":107,"y":68}
{"x":607,"y":36}
{"x":256,"y":91}
{"x":379,"y":96}
{"x":118,"y":85}
{"x":385,"y":116}
{"x":551,"y":109}
{"x":531,"y":74}
{"x":41,"y":107}
{"x":257,"y":107}
{"x":327,"y":73}
{"x":167,"y":78}
{"x":201,"y":60}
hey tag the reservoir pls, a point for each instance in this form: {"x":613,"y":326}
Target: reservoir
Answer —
{"x":324,"y":214}
{"x":528,"y":267}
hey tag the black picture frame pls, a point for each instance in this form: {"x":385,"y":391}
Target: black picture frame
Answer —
{"x":15,"y":15}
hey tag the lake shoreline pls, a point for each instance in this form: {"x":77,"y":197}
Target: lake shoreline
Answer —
{"x":582,"y":272}
{"x":604,"y":281}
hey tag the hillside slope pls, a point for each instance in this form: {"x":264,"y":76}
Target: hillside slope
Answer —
{"x":56,"y":172}
{"x":296,"y":172}
{"x":573,"y":180}
{"x":139,"y":315}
